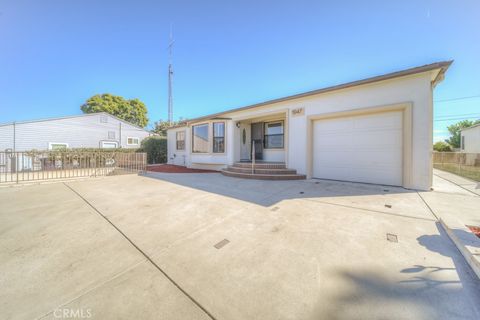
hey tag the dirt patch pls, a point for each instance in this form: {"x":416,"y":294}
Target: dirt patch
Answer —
{"x":170,"y":168}
{"x":475,"y":230}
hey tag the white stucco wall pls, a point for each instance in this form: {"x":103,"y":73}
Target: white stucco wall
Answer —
{"x":414,"y":89}
{"x":472,"y":140}
{"x":274,"y":155}
{"x":177,"y":157}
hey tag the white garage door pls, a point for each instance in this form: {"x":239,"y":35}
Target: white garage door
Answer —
{"x":364,"y":148}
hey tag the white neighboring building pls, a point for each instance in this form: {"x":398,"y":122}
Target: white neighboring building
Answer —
{"x":92,"y":130}
{"x":470,"y":139}
{"x":377,"y":130}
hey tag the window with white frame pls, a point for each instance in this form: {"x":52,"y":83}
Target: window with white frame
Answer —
{"x":133,"y":141}
{"x":180,"y":139}
{"x":200,"y":138}
{"x":218,"y":137}
{"x":274,"y":135}
{"x":57,"y":146}
{"x":109,"y":145}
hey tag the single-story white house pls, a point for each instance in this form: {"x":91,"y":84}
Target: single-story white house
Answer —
{"x":377,"y":130}
{"x":470,"y":139}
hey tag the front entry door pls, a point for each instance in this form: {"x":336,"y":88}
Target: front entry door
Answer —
{"x":245,"y":142}
{"x":257,"y":139}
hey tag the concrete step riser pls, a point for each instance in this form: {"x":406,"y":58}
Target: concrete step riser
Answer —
{"x":262,"y":171}
{"x":259,"y":166}
{"x":263,"y":177}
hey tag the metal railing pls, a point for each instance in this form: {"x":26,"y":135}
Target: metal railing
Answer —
{"x":18,"y":167}
{"x":463,"y":164}
{"x":253,"y":157}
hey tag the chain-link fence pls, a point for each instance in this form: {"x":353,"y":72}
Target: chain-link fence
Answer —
{"x":463,"y":164}
{"x":18,"y":167}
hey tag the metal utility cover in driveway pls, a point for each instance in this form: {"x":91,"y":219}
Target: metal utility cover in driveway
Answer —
{"x":221,"y":244}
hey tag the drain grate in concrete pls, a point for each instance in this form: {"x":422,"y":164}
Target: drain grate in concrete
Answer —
{"x":222,"y":243}
{"x":388,"y":205}
{"x":392,"y":237}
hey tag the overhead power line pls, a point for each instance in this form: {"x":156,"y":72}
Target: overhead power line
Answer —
{"x":449,"y":119}
{"x":460,"y":115}
{"x":458,"y":98}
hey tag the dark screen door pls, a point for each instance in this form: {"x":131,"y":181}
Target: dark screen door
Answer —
{"x":257,"y":139}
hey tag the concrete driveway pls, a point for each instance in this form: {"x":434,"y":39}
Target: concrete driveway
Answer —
{"x":131,"y":247}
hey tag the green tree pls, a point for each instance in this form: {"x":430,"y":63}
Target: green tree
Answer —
{"x":455,"y":129}
{"x":133,"y":111}
{"x":160,"y":127}
{"x":441,"y":146}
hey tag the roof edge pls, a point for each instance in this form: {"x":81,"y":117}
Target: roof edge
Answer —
{"x":73,"y":116}
{"x":442,"y":65}
{"x":471,"y":127}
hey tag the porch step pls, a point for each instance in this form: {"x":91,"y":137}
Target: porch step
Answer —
{"x":257,"y":176}
{"x":260,"y":165}
{"x":262,"y":171}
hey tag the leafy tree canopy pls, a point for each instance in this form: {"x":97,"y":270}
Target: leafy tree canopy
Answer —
{"x":133,"y":111}
{"x":441,"y":146}
{"x":454,"y":130}
{"x":160,"y":127}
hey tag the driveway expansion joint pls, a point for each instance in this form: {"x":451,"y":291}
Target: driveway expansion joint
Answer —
{"x":458,"y":185}
{"x":144,"y":254}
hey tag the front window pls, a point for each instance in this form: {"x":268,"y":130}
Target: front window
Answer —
{"x":133,"y":141}
{"x":219,"y":137}
{"x":274,"y":135}
{"x":200,"y":138}
{"x":463,"y":143}
{"x":180,"y":140}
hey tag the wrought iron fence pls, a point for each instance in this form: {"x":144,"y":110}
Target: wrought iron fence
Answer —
{"x":18,"y":167}
{"x":463,"y":164}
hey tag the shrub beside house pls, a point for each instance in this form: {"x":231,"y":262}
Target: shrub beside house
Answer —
{"x":156,"y":149}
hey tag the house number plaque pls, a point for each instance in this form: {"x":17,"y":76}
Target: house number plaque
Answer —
{"x":298,"y":112}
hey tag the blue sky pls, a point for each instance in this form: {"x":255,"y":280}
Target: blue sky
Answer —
{"x":54,"y":54}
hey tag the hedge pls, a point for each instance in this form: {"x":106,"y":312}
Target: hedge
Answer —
{"x":156,"y":149}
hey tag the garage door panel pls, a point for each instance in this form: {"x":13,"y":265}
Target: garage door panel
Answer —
{"x":369,"y":122}
{"x":379,"y":139}
{"x":362,"y":159}
{"x":363,"y":148}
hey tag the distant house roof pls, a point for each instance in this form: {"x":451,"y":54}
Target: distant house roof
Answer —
{"x":74,"y":116}
{"x":443,"y":66}
{"x":474,"y":126}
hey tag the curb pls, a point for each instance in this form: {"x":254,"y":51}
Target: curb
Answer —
{"x":467,"y":242}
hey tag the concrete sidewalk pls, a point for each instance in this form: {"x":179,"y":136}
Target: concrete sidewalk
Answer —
{"x":456,"y":203}
{"x":295,"y":250}
{"x":454,"y":196}
{"x":464,"y":183}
